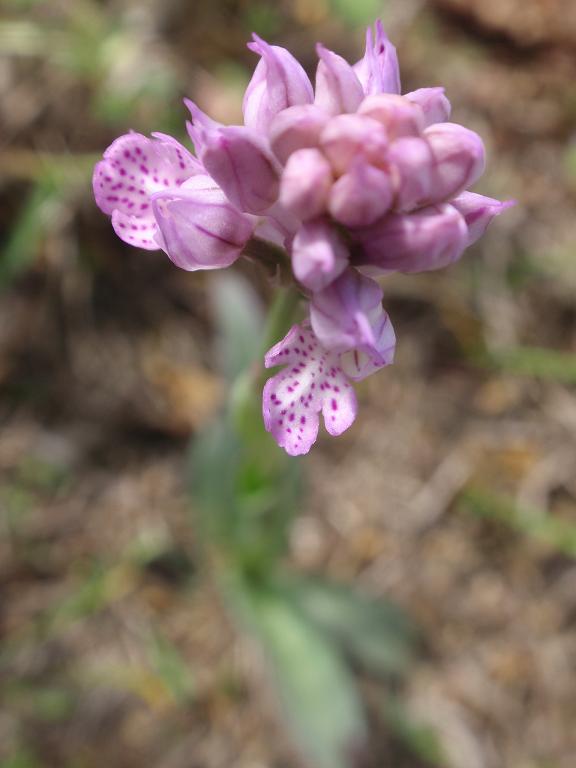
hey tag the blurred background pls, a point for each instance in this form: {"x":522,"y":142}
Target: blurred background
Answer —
{"x":454,"y":494}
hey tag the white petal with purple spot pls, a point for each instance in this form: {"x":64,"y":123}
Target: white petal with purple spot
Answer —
{"x":312,"y":381}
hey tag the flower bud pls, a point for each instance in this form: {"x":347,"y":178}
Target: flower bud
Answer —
{"x":378,"y":71}
{"x":199,"y":229}
{"x":478,"y":211}
{"x":433,"y":102}
{"x":459,"y":159}
{"x":318,"y":254}
{"x":427,"y":239}
{"x":411,"y":162}
{"x":305,"y":184}
{"x":239,"y":160}
{"x":360,"y":196}
{"x":296,"y":128}
{"x":338,"y":89}
{"x":278,"y":82}
{"x":399,"y":116}
{"x":346,"y":137}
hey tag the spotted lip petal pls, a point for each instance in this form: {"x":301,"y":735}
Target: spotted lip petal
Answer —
{"x":199,"y":229}
{"x":278,"y":82}
{"x":312,"y":382}
{"x":133,"y":168}
{"x":378,"y":70}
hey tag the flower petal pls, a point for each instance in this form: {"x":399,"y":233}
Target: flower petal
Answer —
{"x":427,"y":239}
{"x":478,"y":211}
{"x":399,"y":116}
{"x":412,"y":165}
{"x":239,"y":160}
{"x":278,"y":82}
{"x":379,"y":71}
{"x":347,"y":316}
{"x":312,"y":381}
{"x":338,"y":89}
{"x":135,"y":230}
{"x":199,"y":228}
{"x":433,"y":102}
{"x":318,"y":254}
{"x":200,"y":123}
{"x":305,"y":185}
{"x":133,"y":168}
{"x":459,"y":159}
{"x":361,"y":196}
{"x":296,"y":128}
{"x":346,"y":137}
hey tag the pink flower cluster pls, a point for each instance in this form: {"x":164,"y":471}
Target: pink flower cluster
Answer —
{"x":353,"y":179}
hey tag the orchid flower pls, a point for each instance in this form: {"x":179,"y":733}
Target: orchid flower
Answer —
{"x":352,"y":178}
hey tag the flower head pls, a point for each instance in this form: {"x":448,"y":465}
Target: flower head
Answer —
{"x":351,"y":177}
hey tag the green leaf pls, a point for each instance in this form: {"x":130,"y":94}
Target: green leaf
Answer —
{"x":315,"y":687}
{"x":374,"y":632}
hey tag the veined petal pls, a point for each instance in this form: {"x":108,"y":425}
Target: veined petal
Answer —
{"x":312,"y":382}
{"x":278,"y":82}
{"x":427,"y":239}
{"x":338,"y":89}
{"x":199,"y":229}
{"x":133,"y":168}
{"x":318,"y":254}
{"x":240,"y":161}
{"x":347,"y":316}
{"x":379,"y":71}
{"x":478,"y":211}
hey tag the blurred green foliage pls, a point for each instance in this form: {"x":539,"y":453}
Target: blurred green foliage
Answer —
{"x":248,"y":492}
{"x":556,"y":533}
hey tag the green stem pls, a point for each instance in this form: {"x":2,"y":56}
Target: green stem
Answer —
{"x":281,"y":316}
{"x":246,"y":391}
